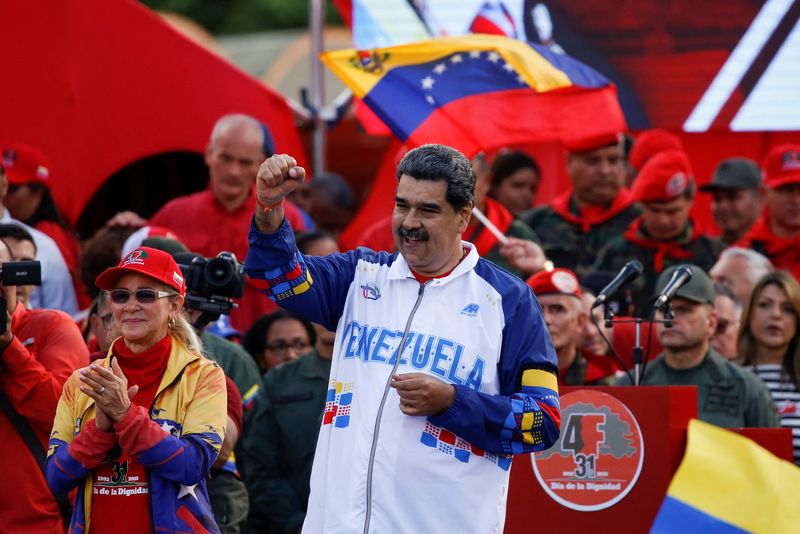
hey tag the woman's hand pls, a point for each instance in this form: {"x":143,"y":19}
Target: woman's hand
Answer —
{"x":110,"y":391}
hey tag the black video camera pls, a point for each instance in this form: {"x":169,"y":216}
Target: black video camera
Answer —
{"x":21,"y":273}
{"x":17,"y":273}
{"x":211,"y":283}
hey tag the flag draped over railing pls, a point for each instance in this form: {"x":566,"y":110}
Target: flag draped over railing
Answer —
{"x":479,"y":92}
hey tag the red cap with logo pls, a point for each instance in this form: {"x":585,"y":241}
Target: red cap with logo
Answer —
{"x":557,"y":281}
{"x":150,"y":262}
{"x":782,"y":166}
{"x":664,"y":177}
{"x":25,"y":164}
{"x":651,"y":142}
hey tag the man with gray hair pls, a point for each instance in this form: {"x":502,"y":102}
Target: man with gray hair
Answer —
{"x":740,"y":269}
{"x":442,"y":366}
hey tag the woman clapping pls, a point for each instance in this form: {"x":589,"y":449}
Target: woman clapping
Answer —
{"x":138,"y":432}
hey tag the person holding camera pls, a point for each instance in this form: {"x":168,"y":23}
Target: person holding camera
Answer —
{"x":39,"y":349}
{"x":23,"y":248}
{"x":137,"y":433}
{"x":210,"y":285}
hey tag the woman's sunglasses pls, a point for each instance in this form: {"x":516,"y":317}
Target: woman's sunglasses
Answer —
{"x":143,"y":296}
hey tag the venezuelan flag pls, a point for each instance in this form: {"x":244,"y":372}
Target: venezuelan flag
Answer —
{"x":479,"y":92}
{"x":727,"y":483}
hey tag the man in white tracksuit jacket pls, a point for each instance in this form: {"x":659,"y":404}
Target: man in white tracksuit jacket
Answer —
{"x":442,"y":366}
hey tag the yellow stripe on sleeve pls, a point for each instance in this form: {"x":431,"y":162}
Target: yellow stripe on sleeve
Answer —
{"x":537,"y":378}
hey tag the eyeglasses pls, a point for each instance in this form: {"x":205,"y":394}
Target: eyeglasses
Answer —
{"x":282,"y":346}
{"x":143,"y":296}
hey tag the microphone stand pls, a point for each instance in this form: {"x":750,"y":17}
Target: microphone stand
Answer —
{"x":639,"y":363}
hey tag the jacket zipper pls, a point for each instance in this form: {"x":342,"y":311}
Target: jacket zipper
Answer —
{"x":386,"y":388}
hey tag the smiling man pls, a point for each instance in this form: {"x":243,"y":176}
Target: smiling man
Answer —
{"x":665,"y":234}
{"x":442,"y":366}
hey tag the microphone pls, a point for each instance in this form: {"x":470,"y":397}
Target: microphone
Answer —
{"x":679,"y":278}
{"x":629,"y":272}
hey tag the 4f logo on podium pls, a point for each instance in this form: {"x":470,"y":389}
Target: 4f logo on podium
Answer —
{"x":598,"y":457}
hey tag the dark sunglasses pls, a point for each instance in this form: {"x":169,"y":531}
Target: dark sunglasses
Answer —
{"x":143,"y":296}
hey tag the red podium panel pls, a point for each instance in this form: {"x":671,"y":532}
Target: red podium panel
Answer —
{"x":662,"y":414}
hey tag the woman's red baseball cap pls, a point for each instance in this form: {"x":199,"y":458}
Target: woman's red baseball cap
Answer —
{"x":150,"y":262}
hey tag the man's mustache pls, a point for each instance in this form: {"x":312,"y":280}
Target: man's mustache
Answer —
{"x":417,"y":234}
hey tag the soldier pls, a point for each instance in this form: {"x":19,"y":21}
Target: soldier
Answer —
{"x":576,"y":224}
{"x":727,"y":395}
{"x":559,"y":294}
{"x":737,"y":197}
{"x":665,"y":234}
{"x":777,"y":233}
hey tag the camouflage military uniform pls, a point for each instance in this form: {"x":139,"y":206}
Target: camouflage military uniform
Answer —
{"x":689,"y":247}
{"x":572,"y":245}
{"x":727,"y":395}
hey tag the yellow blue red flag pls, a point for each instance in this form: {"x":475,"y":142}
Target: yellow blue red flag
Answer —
{"x":478,"y":92}
{"x":729,"y":484}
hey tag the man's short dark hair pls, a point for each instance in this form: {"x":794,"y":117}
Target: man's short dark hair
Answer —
{"x":335,"y":188}
{"x":440,"y":163}
{"x":15,"y":231}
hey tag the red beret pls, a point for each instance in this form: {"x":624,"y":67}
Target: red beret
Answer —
{"x":557,"y":281}
{"x":585,"y":144}
{"x":782,"y":166}
{"x":651,"y":142}
{"x":664,"y":177}
{"x":25,"y":164}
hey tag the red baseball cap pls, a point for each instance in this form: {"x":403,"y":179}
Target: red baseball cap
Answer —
{"x":151,"y":262}
{"x":555,"y":282}
{"x":585,"y":144}
{"x":782,"y":166}
{"x":25,"y":164}
{"x":664,"y":177}
{"x":651,"y":142}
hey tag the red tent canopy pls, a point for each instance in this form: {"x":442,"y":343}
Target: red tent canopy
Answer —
{"x":99,"y":84}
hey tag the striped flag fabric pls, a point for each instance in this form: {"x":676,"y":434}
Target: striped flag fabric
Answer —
{"x":479,"y":92}
{"x":729,"y":484}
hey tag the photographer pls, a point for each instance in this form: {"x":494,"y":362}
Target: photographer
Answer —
{"x":39,"y":349}
{"x":23,"y":248}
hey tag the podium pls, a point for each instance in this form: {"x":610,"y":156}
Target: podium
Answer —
{"x":610,"y":470}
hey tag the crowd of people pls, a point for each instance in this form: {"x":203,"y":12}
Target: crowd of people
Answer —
{"x":123,"y":399}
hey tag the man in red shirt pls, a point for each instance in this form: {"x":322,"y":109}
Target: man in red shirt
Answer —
{"x":39,"y":350}
{"x":777,"y":233}
{"x":218,"y":218}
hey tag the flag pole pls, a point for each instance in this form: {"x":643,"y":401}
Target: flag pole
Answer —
{"x":490,"y":225}
{"x":316,"y":22}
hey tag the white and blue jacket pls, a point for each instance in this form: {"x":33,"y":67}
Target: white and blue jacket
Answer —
{"x":479,"y":328}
